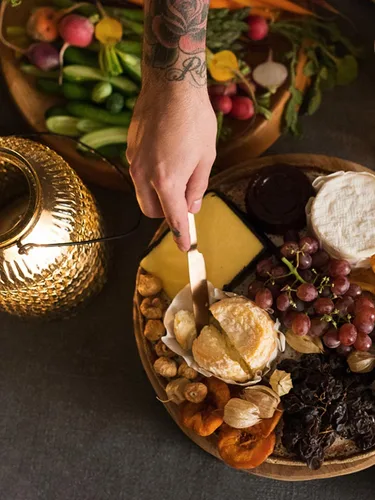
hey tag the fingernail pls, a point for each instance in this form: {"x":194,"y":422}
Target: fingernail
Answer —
{"x":196,"y":206}
{"x":181,"y":245}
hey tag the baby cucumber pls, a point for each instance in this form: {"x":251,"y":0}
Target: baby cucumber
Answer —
{"x":85,"y":125}
{"x":65,"y":125}
{"x":48,"y":86}
{"x":130,"y":47}
{"x":92,"y":112}
{"x":75,"y":55}
{"x":101,"y":92}
{"x":130,"y":102}
{"x":131,"y":65}
{"x":77,"y":73}
{"x":31,"y":70}
{"x":100,"y":138}
{"x":72,"y":91}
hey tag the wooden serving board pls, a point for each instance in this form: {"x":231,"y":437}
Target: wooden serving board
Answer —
{"x":249,"y":140}
{"x":275,"y":467}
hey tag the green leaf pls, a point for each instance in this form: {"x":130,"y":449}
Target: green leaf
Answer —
{"x":330,"y":82}
{"x":264,"y":112}
{"x":323,"y":73}
{"x":310,"y":68}
{"x":315,"y":98}
{"x":347,"y":70}
{"x":264,"y":100}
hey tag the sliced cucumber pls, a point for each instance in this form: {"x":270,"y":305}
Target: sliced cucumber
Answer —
{"x":100,"y":138}
{"x":77,"y":73}
{"x":65,"y":125}
{"x":85,"y":125}
{"x":85,"y":110}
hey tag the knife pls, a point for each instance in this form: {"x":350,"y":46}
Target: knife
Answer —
{"x":198,"y":278}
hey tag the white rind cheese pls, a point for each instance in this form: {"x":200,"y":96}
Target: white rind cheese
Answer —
{"x":342,"y":216}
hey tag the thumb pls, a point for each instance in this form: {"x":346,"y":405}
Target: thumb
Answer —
{"x":197,"y":186}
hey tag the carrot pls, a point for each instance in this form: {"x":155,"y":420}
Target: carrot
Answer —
{"x":327,"y":6}
{"x":286,"y":5}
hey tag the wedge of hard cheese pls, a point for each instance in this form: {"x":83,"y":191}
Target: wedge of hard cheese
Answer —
{"x":228,"y":244}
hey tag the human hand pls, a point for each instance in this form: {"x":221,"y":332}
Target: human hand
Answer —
{"x":171,"y":150}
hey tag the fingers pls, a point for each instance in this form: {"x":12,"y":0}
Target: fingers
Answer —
{"x":197,"y":186}
{"x":173,"y":202}
{"x":147,"y":198}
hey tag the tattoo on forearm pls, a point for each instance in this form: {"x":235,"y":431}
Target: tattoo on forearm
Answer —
{"x":175,"y":39}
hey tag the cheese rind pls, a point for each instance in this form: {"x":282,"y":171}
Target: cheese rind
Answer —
{"x":342,"y":216}
{"x":226,"y":242}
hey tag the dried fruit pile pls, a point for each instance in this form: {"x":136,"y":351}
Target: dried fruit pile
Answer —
{"x":326,"y":401}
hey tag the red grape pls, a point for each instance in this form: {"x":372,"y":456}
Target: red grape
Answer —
{"x":320,"y":259}
{"x":340,"y":285}
{"x":307,"y":292}
{"x":288,"y":318}
{"x":264,"y":267}
{"x":344,"y":350}
{"x":318,"y":327}
{"x":344,"y":305}
{"x":363,"y":342}
{"x":354,"y":290}
{"x":263,"y":298}
{"x":347,"y":334}
{"x":278,"y":272}
{"x":289,"y":249}
{"x":307,"y":275}
{"x":301,"y":324}
{"x":331,"y":338}
{"x":253,"y":288}
{"x":324,"y":305}
{"x":309,"y":245}
{"x":363,"y":301}
{"x":339,"y":268}
{"x":283,"y":302}
{"x":363,"y":326}
{"x":366,"y":315}
{"x":299,"y":305}
{"x":275,"y":290}
{"x":304,"y":261}
{"x":326,"y":291}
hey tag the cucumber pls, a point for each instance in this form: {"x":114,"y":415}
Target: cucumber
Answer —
{"x":77,"y":73}
{"x":100,"y":138}
{"x":73,"y":91}
{"x":85,"y":10}
{"x":115,"y":103}
{"x":101,"y":92}
{"x":75,"y":55}
{"x":85,"y":110}
{"x":112,"y":150}
{"x":56,"y":111}
{"x":131,"y":65}
{"x":130,"y":47}
{"x":48,"y":86}
{"x":131,"y":14}
{"x":65,"y":125}
{"x":31,"y":70}
{"x":130,"y":102}
{"x":85,"y":125}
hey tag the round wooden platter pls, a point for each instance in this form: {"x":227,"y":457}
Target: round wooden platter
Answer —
{"x":276,"y":468}
{"x":248,"y":141}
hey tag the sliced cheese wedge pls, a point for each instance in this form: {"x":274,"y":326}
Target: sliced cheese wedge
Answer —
{"x":227,"y":243}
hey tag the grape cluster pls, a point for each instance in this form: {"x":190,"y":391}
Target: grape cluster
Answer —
{"x":310,"y":293}
{"x":326,"y":401}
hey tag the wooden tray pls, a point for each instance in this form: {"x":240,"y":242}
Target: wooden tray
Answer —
{"x":281,"y":469}
{"x":247,"y":142}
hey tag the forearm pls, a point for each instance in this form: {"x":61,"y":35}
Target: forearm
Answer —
{"x":175,"y":42}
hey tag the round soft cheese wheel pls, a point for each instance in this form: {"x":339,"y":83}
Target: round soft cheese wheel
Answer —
{"x":342,"y":216}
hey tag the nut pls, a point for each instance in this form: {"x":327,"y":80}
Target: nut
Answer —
{"x":162,"y":350}
{"x":154,"y":330}
{"x":152,"y":308}
{"x":149,"y":285}
{"x":165,"y":367}
{"x":195,"y":392}
{"x":184,"y":370}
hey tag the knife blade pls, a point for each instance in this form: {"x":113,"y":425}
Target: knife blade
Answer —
{"x":198,"y":278}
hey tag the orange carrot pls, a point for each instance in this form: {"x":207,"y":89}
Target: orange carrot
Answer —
{"x":286,"y":5}
{"x":327,"y":6}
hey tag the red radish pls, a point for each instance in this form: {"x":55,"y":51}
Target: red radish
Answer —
{"x":221,"y":103}
{"x":230,"y":89}
{"x":43,"y":55}
{"x":245,"y":87}
{"x":242,"y":108}
{"x":77,"y":31}
{"x":258,"y":28}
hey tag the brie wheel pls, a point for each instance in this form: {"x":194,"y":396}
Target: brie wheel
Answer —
{"x":342,"y":216}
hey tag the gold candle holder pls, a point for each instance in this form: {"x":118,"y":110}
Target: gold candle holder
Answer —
{"x":43,"y":201}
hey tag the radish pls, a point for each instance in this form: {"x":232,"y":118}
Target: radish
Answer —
{"x":221,"y":103}
{"x":258,"y":28}
{"x":77,"y":31}
{"x":242,"y":108}
{"x":43,"y":55}
{"x":270,"y":75}
{"x":230,"y":89}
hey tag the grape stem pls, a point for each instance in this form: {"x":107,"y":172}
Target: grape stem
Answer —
{"x":292,"y":270}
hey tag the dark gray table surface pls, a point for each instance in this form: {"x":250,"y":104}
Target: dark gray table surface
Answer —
{"x":78,"y":417}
